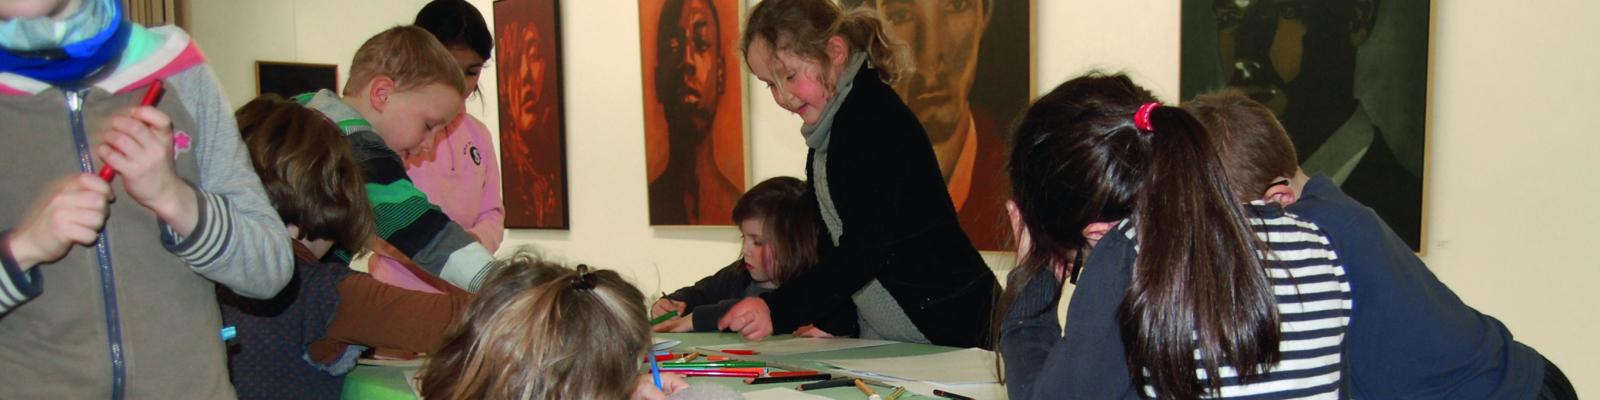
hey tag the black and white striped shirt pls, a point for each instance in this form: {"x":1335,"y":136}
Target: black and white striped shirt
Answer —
{"x":1314,"y":304}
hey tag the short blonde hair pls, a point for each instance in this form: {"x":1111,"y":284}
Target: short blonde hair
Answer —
{"x":409,"y":55}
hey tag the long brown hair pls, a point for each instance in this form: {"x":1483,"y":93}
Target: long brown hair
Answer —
{"x":1253,"y":146}
{"x":789,"y":213}
{"x":308,"y":170}
{"x":539,"y":330}
{"x":803,"y":27}
{"x":1197,"y":285}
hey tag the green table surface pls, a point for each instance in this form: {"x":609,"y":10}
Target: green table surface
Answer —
{"x":383,"y":383}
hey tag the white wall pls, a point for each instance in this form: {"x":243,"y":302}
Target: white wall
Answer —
{"x":1511,"y":168}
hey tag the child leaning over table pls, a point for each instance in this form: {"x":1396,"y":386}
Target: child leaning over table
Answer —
{"x":300,"y":343}
{"x":779,"y":223}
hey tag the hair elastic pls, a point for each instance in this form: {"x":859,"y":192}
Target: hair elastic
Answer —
{"x":585,"y":279}
{"x":1141,"y":119}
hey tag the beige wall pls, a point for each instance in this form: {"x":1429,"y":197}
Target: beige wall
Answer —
{"x":1511,"y":168}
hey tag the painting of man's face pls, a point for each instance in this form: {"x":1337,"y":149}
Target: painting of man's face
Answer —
{"x":942,"y":37}
{"x":972,"y":73}
{"x":532,"y":140}
{"x":694,"y":123}
{"x":1347,"y":79}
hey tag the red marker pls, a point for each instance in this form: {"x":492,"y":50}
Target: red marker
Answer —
{"x":151,"y":96}
{"x":741,"y":352}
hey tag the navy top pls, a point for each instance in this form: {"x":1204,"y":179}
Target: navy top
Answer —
{"x":1410,"y":336}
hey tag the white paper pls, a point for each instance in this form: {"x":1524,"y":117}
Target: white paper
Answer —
{"x":960,"y":367}
{"x":780,"y":394}
{"x":414,"y":381}
{"x":801,"y":345}
{"x":663,"y":344}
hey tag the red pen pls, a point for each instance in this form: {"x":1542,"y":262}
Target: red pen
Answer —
{"x":741,"y":352}
{"x":151,"y":96}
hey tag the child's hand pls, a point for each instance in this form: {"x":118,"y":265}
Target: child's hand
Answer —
{"x":139,"y":146}
{"x":645,"y":387}
{"x":665,"y":304}
{"x":676,"y":324}
{"x":811,"y":331}
{"x":750,"y":317}
{"x":70,"y":211}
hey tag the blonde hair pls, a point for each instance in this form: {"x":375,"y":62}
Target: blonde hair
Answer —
{"x":803,"y":28}
{"x":409,"y":55}
{"x":539,"y":330}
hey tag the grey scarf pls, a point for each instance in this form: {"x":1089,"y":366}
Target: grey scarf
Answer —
{"x":817,"y":139}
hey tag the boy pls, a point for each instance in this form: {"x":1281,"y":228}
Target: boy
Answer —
{"x":404,"y":87}
{"x":1409,"y":335}
{"x":135,"y":314}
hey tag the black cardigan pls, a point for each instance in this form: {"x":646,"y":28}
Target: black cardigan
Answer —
{"x":711,"y":297}
{"x":899,"y":227}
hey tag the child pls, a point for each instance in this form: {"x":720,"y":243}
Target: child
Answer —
{"x":539,"y":330}
{"x":458,"y":170}
{"x":1190,"y":278}
{"x":404,"y":87}
{"x":133,"y":314}
{"x":778,"y":219}
{"x":301,"y":343}
{"x":894,"y":247}
{"x":1410,"y":336}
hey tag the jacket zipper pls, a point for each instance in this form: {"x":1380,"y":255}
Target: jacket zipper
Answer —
{"x":102,"y":247}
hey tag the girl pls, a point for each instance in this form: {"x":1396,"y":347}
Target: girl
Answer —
{"x":114,"y":299}
{"x":1174,"y":293}
{"x":893,"y":247}
{"x":459,"y":171}
{"x":778,"y":219}
{"x":301,"y":343}
{"x":539,"y":330}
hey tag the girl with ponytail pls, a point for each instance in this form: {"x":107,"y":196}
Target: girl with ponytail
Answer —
{"x":1178,"y":279}
{"x":892,"y":246}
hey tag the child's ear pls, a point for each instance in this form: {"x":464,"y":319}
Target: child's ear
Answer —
{"x":838,"y":50}
{"x":1284,"y":195}
{"x":378,"y":92}
{"x":1096,"y":230}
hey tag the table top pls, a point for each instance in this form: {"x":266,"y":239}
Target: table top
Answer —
{"x":382,"y":383}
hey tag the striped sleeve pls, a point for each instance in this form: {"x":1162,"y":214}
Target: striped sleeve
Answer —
{"x":16,"y":287}
{"x":407,"y":220}
{"x":215,"y":227}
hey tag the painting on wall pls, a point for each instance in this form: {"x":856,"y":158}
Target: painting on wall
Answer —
{"x":973,"y":76}
{"x":1347,"y":78}
{"x":532,"y":133}
{"x":287,"y":79}
{"x":694,"y":110}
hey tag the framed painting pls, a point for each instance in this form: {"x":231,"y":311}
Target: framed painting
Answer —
{"x":289,"y":79}
{"x":532,"y":132}
{"x":694,"y":110}
{"x":1348,"y":80}
{"x":974,"y":69}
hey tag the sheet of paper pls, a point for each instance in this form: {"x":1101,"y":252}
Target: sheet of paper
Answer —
{"x":960,"y":367}
{"x":414,"y":381}
{"x":780,"y":394}
{"x":801,"y":345}
{"x":662,"y":344}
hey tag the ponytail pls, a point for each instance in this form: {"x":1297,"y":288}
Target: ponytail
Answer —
{"x":1198,"y":285}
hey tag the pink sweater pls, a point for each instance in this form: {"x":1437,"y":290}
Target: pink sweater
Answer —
{"x":461,"y":176}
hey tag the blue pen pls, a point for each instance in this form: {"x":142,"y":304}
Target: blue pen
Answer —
{"x":655,"y":371}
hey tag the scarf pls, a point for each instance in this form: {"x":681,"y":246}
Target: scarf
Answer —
{"x":67,"y":51}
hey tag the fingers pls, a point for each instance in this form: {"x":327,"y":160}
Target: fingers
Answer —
{"x":673,"y":382}
{"x":154,"y":118}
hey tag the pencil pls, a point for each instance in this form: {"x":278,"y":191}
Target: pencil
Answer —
{"x":866,"y":390}
{"x":663,"y":318}
{"x":949,"y":395}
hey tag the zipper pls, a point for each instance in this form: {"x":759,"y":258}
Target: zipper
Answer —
{"x":102,"y":247}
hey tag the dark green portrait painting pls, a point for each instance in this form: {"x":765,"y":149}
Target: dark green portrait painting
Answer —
{"x":1347,"y":78}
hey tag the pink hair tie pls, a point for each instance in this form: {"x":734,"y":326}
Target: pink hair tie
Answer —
{"x":1141,"y":119}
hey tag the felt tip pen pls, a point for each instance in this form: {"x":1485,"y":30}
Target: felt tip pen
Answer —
{"x":738,"y":352}
{"x":728,"y":374}
{"x":655,"y":372}
{"x":948,"y":395}
{"x":151,"y":96}
{"x":831,"y":383}
{"x":722,"y":364}
{"x":772,"y":378}
{"x":669,"y":368}
{"x":663,"y":318}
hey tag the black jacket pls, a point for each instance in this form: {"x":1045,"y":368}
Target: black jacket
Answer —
{"x":711,"y":297}
{"x":899,"y":227}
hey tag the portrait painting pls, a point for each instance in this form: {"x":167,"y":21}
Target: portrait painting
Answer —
{"x":289,"y":79}
{"x":532,"y":135}
{"x":1347,"y":79}
{"x":973,"y":75}
{"x":694,"y":110}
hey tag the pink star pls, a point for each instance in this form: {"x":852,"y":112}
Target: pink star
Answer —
{"x":180,"y":143}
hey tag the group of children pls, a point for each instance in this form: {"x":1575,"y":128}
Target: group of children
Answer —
{"x":1207,"y":265}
